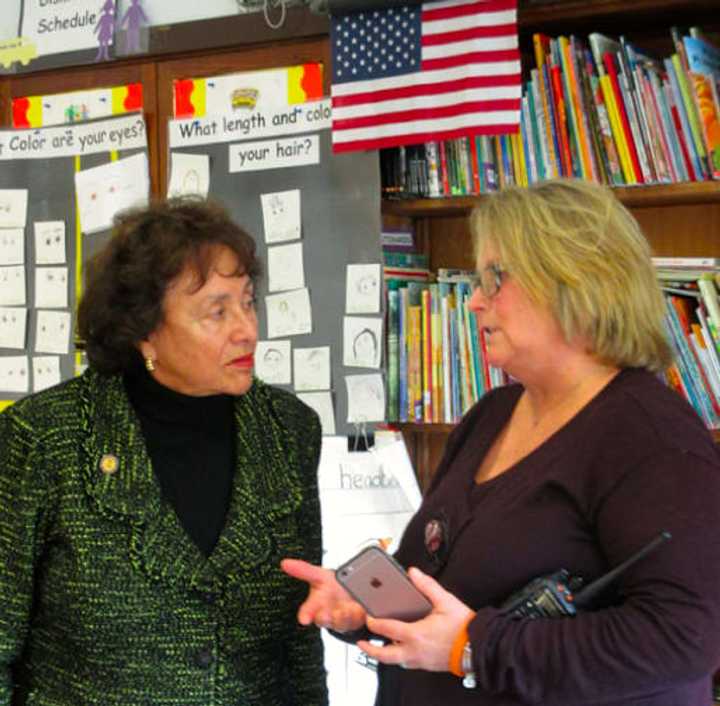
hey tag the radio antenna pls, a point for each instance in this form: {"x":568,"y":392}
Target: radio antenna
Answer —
{"x":587,"y":594}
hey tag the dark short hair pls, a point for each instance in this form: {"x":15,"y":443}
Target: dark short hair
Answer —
{"x":127,"y":279}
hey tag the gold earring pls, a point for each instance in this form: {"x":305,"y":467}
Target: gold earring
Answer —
{"x":149,"y":364}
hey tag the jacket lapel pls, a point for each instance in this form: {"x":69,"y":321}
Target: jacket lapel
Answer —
{"x":120,"y":479}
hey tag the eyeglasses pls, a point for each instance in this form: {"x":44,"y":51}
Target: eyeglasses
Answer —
{"x":489,"y":280}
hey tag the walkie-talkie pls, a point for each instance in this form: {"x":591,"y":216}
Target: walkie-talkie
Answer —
{"x":554,"y":595}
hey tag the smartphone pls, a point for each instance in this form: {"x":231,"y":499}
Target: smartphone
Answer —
{"x":381,"y":586}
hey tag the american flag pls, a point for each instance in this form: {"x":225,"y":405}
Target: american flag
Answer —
{"x":435,"y":71}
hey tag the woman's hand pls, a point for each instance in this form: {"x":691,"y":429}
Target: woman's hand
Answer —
{"x":328,"y":604}
{"x":424,"y":644}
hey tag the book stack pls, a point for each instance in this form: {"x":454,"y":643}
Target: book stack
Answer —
{"x":693,"y":324}
{"x":436,"y":348}
{"x":599,"y":109}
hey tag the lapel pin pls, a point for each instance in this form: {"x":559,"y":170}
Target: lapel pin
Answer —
{"x":436,"y":539}
{"x":109,"y":464}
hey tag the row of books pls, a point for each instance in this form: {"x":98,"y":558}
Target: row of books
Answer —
{"x":693,"y":324}
{"x":437,"y":368}
{"x":599,"y":109}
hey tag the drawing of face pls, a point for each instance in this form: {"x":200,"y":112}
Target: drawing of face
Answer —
{"x":367,"y":285}
{"x":365,"y":347}
{"x":272,"y":359}
{"x":205,"y":344}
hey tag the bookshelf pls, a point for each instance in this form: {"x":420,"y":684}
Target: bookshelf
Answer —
{"x":680,"y":219}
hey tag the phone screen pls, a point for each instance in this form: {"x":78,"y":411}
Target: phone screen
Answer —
{"x":381,"y":586}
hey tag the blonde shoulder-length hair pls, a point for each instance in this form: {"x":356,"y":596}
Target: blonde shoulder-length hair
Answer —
{"x":576,"y":249}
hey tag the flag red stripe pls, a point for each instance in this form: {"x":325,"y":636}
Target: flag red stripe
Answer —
{"x":429,"y":113}
{"x":462,"y":35}
{"x":426,"y":89}
{"x":430,"y":14}
{"x":480,"y":57}
{"x":414,"y":139}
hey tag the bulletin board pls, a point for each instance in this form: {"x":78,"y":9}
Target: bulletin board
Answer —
{"x":340,"y":218}
{"x":44,"y":163}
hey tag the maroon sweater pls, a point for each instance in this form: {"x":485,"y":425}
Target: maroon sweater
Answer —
{"x":636,"y":460}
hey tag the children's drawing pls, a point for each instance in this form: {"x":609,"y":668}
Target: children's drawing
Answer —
{"x":14,"y":376}
{"x":189,"y":175}
{"x":362,"y":291}
{"x":312,"y":368}
{"x":46,"y":371}
{"x":52,"y":332}
{"x":285,"y":267}
{"x":362,"y":337}
{"x":366,"y":398}
{"x":12,"y":286}
{"x":13,"y":322}
{"x":12,"y":246}
{"x":281,"y":215}
{"x":51,"y":287}
{"x":288,"y":313}
{"x":49,"y":242}
{"x":272,"y":362}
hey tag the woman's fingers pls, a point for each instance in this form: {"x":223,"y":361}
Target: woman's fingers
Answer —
{"x":305,"y":571}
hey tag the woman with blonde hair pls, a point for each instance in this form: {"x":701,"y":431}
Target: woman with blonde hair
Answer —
{"x":579,"y":463}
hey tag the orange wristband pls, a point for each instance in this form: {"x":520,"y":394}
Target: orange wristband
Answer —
{"x":455,"y":665}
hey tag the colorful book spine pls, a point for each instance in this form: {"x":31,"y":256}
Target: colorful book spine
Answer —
{"x":415,"y":411}
{"x":426,"y":308}
{"x":611,"y":69}
{"x":403,"y":371}
{"x":393,"y":351}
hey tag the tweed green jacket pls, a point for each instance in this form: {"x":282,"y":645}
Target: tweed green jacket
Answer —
{"x":104,"y":599}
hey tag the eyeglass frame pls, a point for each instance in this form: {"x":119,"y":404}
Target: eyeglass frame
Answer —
{"x":489,"y":288}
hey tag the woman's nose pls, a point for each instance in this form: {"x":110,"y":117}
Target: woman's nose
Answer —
{"x":478,"y":301}
{"x":244,"y":325}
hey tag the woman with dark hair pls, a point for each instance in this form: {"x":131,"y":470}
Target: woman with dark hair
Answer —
{"x":146,"y":504}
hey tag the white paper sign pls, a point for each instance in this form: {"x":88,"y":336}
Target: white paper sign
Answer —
{"x":46,"y":371}
{"x":14,"y":375}
{"x":52,"y":332}
{"x":13,"y":323}
{"x":51,"y":287}
{"x":12,"y":286}
{"x":13,"y":208}
{"x":272,"y":362}
{"x":285,"y":267}
{"x":56,"y":26}
{"x":231,"y":127}
{"x":281,"y":215}
{"x":274,"y":154}
{"x":12,"y":246}
{"x":126,"y":133}
{"x":49,"y":242}
{"x":110,"y":188}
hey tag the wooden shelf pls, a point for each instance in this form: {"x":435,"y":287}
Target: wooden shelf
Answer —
{"x":420,"y":428}
{"x":689,"y":193}
{"x":546,"y":15}
{"x":423,"y":428}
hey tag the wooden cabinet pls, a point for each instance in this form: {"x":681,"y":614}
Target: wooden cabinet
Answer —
{"x":678,"y":219}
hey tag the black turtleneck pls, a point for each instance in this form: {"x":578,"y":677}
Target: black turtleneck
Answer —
{"x":191,"y":443}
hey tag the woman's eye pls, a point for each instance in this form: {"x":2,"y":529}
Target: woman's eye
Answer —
{"x":217,"y":313}
{"x":249,"y":303}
